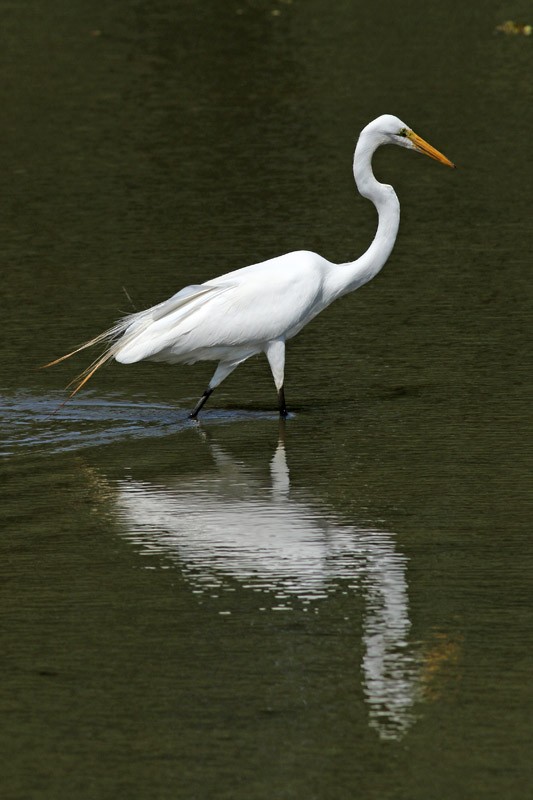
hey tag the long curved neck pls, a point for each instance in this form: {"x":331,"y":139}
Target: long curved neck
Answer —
{"x":344,"y":278}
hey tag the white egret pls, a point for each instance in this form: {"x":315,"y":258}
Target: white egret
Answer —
{"x":256,"y":309}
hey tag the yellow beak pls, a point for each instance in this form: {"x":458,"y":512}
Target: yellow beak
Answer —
{"x":428,"y":150}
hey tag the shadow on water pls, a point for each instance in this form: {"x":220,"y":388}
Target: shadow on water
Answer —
{"x":229,"y":528}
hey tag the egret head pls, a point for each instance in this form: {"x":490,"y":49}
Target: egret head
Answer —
{"x":388,"y":129}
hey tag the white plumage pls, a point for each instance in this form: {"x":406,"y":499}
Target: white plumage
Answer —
{"x":258,"y":308}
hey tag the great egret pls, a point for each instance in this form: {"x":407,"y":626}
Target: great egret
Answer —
{"x":257,"y":308}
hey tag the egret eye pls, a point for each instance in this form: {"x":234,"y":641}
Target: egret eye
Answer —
{"x":403,"y":132}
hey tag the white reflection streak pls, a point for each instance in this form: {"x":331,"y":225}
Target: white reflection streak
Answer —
{"x":391,"y":671}
{"x":227,"y":526}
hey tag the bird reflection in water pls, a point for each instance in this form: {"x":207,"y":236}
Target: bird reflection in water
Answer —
{"x":227,"y":527}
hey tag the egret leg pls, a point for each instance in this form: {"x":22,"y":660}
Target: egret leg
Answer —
{"x":275,"y":352}
{"x":201,"y":402}
{"x":222,"y":371}
{"x":281,"y":403}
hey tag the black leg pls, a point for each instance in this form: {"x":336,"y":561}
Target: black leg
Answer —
{"x":281,"y":402}
{"x":200,"y":404}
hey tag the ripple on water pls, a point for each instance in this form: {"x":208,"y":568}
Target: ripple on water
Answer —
{"x":34,"y":423}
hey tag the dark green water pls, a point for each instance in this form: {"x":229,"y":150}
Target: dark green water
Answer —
{"x":340,"y":608}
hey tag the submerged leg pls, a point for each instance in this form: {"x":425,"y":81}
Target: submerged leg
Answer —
{"x":222,"y":371}
{"x":275,"y":352}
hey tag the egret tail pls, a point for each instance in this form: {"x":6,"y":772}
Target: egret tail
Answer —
{"x":129,"y":330}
